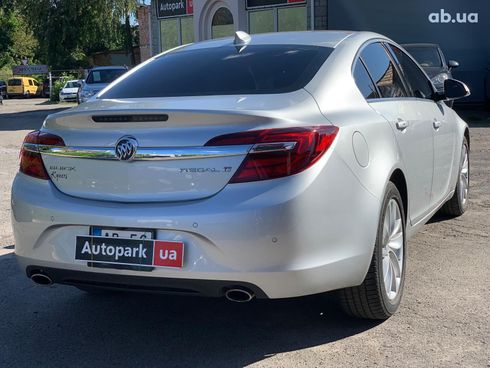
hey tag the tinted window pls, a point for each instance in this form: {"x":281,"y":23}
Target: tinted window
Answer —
{"x":224,"y":70}
{"x":30,"y":82}
{"x":364,"y":82}
{"x":104,"y":75}
{"x":418,"y":82}
{"x":426,"y":56}
{"x":383,"y":72}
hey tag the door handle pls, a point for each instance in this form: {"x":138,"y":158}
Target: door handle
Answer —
{"x":436,"y":124}
{"x":401,"y":124}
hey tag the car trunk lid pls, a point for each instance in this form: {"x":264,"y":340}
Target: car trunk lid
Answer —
{"x":170,"y":162}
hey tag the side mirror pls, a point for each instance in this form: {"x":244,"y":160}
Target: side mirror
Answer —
{"x":454,"y":89}
{"x":452,"y":64}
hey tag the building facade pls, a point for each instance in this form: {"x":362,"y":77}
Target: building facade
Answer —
{"x":461,"y":27}
{"x":177,"y":22}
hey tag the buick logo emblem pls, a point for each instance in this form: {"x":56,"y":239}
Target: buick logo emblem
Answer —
{"x":126,"y":148}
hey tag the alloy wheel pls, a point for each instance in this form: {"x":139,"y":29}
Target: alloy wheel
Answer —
{"x":392,"y":249}
{"x":464,"y":177}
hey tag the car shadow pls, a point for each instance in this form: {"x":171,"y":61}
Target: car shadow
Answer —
{"x":61,"y":326}
{"x":26,"y":120}
{"x":438,"y":217}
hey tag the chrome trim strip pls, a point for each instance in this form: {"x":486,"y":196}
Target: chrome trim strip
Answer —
{"x":143,"y":153}
{"x":190,"y":153}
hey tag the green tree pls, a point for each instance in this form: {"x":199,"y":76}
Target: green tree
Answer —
{"x":70,"y":30}
{"x":16,"y":38}
{"x":124,"y":10}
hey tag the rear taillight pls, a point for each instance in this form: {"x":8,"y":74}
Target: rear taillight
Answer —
{"x":31,"y":162}
{"x":278,"y":152}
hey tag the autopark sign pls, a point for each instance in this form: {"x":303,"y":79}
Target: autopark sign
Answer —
{"x":171,"y":8}
{"x":30,"y":69}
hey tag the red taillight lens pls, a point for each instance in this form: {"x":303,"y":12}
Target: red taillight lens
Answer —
{"x":31,"y":162}
{"x":278,"y":152}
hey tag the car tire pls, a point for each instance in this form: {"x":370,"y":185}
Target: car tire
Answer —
{"x":372,"y":299}
{"x":458,"y":203}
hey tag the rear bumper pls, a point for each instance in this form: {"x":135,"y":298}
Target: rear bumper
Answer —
{"x":68,"y":97}
{"x":305,"y":234}
{"x":208,"y":288}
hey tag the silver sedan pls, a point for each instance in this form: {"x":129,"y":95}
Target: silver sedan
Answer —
{"x":268,"y":166}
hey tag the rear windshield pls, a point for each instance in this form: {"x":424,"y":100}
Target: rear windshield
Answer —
{"x":14,"y":82}
{"x":427,"y":57}
{"x":72,"y":85}
{"x":227,"y":70}
{"x":104,"y":75}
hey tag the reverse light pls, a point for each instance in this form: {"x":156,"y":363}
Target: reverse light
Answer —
{"x":31,"y":162}
{"x":278,"y":152}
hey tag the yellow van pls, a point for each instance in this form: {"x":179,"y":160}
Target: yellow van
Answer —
{"x":23,"y":86}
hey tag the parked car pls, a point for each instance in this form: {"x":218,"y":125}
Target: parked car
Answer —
{"x":3,"y":89}
{"x":278,"y":165}
{"x":69,"y":91}
{"x":97,"y":79}
{"x":432,"y":60}
{"x":23,"y":87}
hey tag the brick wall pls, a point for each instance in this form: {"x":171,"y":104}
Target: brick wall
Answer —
{"x":155,"y":30}
{"x":143,"y":14}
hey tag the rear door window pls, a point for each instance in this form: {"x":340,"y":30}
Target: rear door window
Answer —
{"x":419,"y":85}
{"x":364,"y":81}
{"x":383,"y":72}
{"x":225,"y":70}
{"x":104,"y":75}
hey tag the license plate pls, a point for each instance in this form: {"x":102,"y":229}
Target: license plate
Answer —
{"x":131,"y":252}
{"x":121,"y":233}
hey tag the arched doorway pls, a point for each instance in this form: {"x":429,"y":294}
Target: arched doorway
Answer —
{"x":222,"y":24}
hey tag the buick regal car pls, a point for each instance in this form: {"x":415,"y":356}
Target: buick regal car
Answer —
{"x":268,"y":166}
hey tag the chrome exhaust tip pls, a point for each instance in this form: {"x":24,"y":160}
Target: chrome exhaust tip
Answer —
{"x":41,"y":279}
{"x":239,"y":295}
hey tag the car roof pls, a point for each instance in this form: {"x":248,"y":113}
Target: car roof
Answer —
{"x":314,"y":38}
